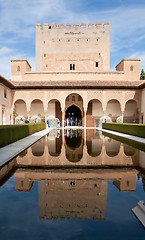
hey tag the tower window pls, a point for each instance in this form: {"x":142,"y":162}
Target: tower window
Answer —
{"x":131,"y":68}
{"x":72,"y":66}
{"x":97,"y":64}
{"x":18,"y":68}
{"x":44,"y":54}
{"x":5,"y":93}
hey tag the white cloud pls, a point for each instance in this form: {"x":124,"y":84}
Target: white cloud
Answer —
{"x":6,"y":54}
{"x":5,"y":50}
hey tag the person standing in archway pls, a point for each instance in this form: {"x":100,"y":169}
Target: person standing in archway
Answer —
{"x":67,"y":122}
{"x":71,"y":121}
{"x":76,"y":122}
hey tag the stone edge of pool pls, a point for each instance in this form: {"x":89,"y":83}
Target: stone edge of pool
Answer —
{"x":127,"y":136}
{"x":10,"y":151}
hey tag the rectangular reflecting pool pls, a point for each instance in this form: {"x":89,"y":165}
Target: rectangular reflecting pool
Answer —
{"x":73,"y":184}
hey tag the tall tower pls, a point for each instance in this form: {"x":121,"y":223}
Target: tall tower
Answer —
{"x":78,"y":48}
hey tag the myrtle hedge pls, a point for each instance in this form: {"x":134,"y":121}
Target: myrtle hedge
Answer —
{"x":132,"y":129}
{"x":12,"y":133}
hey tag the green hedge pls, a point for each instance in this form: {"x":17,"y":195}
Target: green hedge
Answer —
{"x":12,"y":133}
{"x":132,"y":129}
{"x":126,"y":141}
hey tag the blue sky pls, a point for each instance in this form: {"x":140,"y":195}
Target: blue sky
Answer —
{"x":18,"y":18}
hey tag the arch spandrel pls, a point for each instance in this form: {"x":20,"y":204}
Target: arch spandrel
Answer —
{"x":133,"y":95}
{"x":20,"y":99}
{"x":113,"y":95}
{"x":95,"y":99}
{"x":83,"y":96}
{"x":131,"y":112}
{"x":35,"y":100}
{"x":135,"y":100}
{"x":74,"y":99}
{"x":113,"y":100}
{"x":74,"y":104}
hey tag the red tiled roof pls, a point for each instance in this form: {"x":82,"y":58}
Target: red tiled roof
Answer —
{"x":6,"y":82}
{"x":80,"y":85}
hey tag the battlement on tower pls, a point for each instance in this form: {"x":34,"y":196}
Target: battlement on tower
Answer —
{"x":47,"y":26}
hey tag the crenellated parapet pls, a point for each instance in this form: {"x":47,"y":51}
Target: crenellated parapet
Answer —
{"x":75,"y":26}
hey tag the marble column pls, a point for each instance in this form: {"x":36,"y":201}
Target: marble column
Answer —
{"x":122,"y":116}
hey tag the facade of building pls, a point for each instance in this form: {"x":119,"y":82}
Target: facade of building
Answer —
{"x":72,"y":80}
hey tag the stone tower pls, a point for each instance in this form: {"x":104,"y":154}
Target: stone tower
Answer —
{"x":78,"y":48}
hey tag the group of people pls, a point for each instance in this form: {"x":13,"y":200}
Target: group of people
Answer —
{"x":71,"y":121}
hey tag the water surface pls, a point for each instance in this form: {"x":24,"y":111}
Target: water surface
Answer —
{"x":73,"y":185}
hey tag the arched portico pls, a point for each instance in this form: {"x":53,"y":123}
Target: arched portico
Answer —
{"x":36,"y":113}
{"x":94,"y":115}
{"x":73,"y":116}
{"x":20,"y":111}
{"x":113,"y":111}
{"x":95,"y":106}
{"x":74,"y":112}
{"x":54,"y":113}
{"x":131,"y":113}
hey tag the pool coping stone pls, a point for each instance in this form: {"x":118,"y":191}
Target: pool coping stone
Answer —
{"x":8,"y":152}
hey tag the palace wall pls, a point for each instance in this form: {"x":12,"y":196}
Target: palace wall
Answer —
{"x":5,"y":104}
{"x":124,"y":75}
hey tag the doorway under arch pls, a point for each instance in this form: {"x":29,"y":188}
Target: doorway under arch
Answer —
{"x":74,"y":112}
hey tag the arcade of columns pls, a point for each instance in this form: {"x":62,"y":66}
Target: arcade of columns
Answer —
{"x":123,"y":104}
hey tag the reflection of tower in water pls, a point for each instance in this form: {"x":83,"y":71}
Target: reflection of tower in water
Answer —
{"x":76,"y":198}
{"x":74,"y":193}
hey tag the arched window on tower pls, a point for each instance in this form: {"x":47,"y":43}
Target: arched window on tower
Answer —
{"x":131,"y":68}
{"x":18,"y":68}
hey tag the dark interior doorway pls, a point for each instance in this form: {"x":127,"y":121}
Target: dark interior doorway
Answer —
{"x":73,"y":112}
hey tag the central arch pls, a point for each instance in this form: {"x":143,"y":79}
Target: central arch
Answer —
{"x":74,"y":112}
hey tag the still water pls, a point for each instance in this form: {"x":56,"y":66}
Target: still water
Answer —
{"x":73,"y":185}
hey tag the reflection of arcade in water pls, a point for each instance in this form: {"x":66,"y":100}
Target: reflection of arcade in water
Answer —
{"x":79,"y":149}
